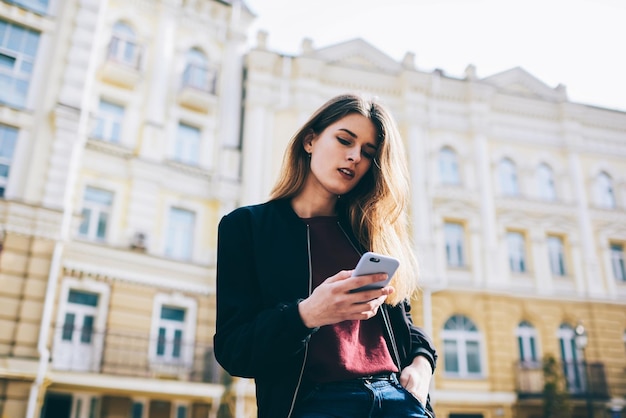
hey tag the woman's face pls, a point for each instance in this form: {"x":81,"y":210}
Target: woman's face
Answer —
{"x":341,"y":154}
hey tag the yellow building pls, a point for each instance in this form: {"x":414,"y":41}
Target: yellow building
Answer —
{"x":519,"y":219}
{"x":119,"y":152}
{"x":124,"y":138}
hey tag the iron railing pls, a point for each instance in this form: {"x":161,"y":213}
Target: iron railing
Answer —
{"x":135,"y":355}
{"x":579,"y":379}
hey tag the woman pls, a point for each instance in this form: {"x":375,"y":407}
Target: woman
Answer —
{"x":286,"y":315}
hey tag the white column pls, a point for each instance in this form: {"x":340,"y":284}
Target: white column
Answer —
{"x":487,"y":209}
{"x":154,"y":139}
{"x":421,"y":217}
{"x":592,"y":283}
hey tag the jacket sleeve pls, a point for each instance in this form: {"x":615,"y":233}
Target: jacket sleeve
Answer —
{"x":250,"y":340}
{"x":421,"y":343}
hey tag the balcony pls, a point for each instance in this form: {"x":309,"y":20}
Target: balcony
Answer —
{"x":199,"y":88}
{"x":530,"y":380}
{"x":134,"y":355}
{"x":123,"y":63}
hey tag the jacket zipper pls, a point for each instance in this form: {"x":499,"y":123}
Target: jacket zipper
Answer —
{"x":306,"y":345}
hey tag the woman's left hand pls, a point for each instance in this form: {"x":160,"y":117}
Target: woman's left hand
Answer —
{"x":416,"y":378}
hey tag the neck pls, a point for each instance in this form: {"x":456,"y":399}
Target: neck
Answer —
{"x":310,"y":207}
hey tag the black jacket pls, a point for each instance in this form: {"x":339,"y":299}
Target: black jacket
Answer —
{"x":262,"y":273}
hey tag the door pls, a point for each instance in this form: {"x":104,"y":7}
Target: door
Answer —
{"x":573,"y":368}
{"x":75,"y":345}
{"x":56,"y":405}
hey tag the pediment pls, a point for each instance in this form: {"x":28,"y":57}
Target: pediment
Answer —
{"x":356,"y":53}
{"x":520,"y":82}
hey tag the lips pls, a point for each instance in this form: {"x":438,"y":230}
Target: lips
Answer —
{"x":346,"y":172}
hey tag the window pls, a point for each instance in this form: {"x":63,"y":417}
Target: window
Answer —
{"x":617,"y":261}
{"x":18,"y":48}
{"x":8,"y":138}
{"x":173,"y":330}
{"x":508,"y":178}
{"x":527,"y":343}
{"x":180,"y":234}
{"x":604,"y":191}
{"x":123,"y":47}
{"x":96,"y":212}
{"x":187,"y":144}
{"x":573,"y":368}
{"x":75,"y":349}
{"x":545,"y":179}
{"x":448,"y":166}
{"x":517,"y":251}
{"x":556,"y":255}
{"x":170,"y":338}
{"x":137,"y":410}
{"x":38,"y":6}
{"x":108,"y":122}
{"x":461,"y":343}
{"x":454,"y":236}
{"x":197,"y":73}
{"x":181,"y":411}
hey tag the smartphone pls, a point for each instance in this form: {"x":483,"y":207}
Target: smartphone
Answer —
{"x":372,"y":263}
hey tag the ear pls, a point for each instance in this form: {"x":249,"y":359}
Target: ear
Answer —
{"x":307,"y":143}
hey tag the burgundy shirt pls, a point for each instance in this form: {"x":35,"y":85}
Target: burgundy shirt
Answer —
{"x":348,"y":349}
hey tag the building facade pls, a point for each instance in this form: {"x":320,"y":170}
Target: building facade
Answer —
{"x":127,"y":128}
{"x":518,"y":216}
{"x":119,"y":152}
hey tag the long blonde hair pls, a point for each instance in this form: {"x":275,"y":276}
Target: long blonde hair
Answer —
{"x":377,"y":207}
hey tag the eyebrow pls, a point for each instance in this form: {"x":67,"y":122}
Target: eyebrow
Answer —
{"x":353,"y":135}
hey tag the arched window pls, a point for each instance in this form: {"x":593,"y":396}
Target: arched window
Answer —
{"x":461,"y":343}
{"x":448,"y":166}
{"x":545,"y":182}
{"x":508,"y":177}
{"x":573,"y":367}
{"x":197,"y":73}
{"x":527,"y":343}
{"x":604,"y":191}
{"x":123,"y":47}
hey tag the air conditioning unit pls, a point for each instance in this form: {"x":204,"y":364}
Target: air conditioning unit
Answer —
{"x":139,"y":241}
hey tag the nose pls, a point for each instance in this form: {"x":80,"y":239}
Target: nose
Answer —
{"x":354,"y":154}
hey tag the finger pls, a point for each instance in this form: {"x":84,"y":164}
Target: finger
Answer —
{"x":342,"y":275}
{"x":360,"y":281}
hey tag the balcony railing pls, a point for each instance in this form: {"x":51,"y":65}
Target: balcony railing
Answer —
{"x":135,"y":355}
{"x":580,"y":379}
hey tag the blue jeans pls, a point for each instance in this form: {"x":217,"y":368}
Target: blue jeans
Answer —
{"x":360,"y":398}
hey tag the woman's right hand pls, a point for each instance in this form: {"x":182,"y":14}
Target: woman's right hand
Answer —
{"x":332,"y":301}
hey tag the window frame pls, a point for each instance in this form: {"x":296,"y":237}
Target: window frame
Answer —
{"x":605,"y":191}
{"x":463,"y":334}
{"x":518,"y":256}
{"x":557,"y":259}
{"x":618,"y":260}
{"x":21,"y":60}
{"x":448,"y":160}
{"x":527,"y":342}
{"x":176,"y":233}
{"x":107,"y":125}
{"x":96,"y":211}
{"x":507,"y":174}
{"x":454,"y":238}
{"x":8,"y":135}
{"x":187,"y":148}
{"x":545,"y":183}
{"x":188,"y":335}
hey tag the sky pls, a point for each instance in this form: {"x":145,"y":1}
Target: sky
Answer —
{"x":578,"y":43}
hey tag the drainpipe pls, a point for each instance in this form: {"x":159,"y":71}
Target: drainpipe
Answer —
{"x":38,"y":387}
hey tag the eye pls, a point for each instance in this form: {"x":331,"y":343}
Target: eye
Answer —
{"x":368,"y":155}
{"x":343,"y":141}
